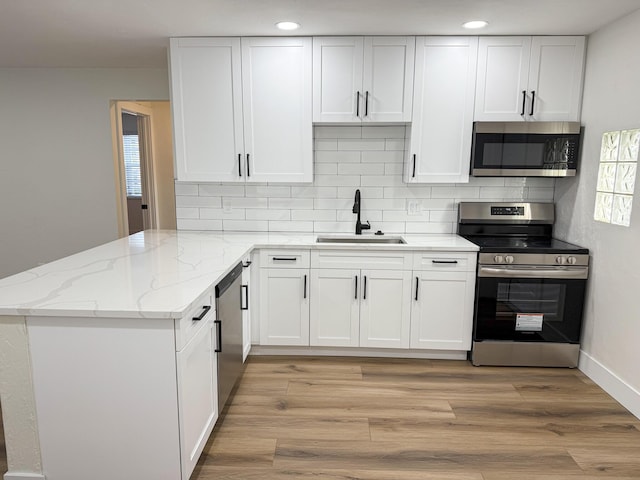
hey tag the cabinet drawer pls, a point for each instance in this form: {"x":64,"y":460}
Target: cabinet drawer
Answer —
{"x":391,"y":260}
{"x":186,"y":327}
{"x":444,"y":261}
{"x":284,"y":258}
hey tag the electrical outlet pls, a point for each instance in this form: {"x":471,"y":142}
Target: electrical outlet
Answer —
{"x":414,"y":207}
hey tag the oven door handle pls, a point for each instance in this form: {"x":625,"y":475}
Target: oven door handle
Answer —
{"x":534,"y":272}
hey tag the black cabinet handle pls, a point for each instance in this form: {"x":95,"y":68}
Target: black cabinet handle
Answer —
{"x":218,"y":324}
{"x":246,"y":264}
{"x":444,"y":261}
{"x":284,"y":259}
{"x":533,"y":100}
{"x":413,"y":175}
{"x":356,"y":295}
{"x":248,"y":171}
{"x":239,"y":164}
{"x":245,"y":288}
{"x":524,"y":100}
{"x":305,"y":287}
{"x":357,"y":104}
{"x":366,"y":103}
{"x":364,"y":289}
{"x":417,"y":285}
{"x":205,"y":309}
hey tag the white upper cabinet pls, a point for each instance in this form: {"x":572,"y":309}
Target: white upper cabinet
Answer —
{"x":207,"y":109}
{"x":242,"y":109}
{"x":443,"y":100}
{"x":529,"y":78}
{"x":362,"y":79}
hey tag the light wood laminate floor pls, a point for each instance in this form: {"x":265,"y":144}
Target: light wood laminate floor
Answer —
{"x":384,"y":419}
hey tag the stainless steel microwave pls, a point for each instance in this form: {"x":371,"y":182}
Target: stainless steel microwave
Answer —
{"x":525,"y":149}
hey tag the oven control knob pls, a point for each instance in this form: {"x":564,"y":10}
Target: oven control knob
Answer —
{"x":508,"y":259}
{"x":498,"y":259}
{"x":561,"y":260}
{"x":571,"y":260}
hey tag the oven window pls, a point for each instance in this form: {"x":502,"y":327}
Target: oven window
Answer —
{"x":521,"y":309}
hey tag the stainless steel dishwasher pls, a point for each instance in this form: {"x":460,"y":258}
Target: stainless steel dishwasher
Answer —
{"x":229,"y":333}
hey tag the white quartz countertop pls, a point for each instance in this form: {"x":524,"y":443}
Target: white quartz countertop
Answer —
{"x":160,"y":274}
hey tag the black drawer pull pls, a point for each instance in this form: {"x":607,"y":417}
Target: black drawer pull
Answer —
{"x":205,"y":309}
{"x":285,"y":259}
{"x":445,"y":261}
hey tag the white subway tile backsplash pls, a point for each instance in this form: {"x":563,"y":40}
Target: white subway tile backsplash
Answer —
{"x":313,"y":215}
{"x":197,"y":224}
{"x":361,"y":169}
{"x":361,"y":145}
{"x":397,"y":132}
{"x":214,"y":190}
{"x":291,"y":227}
{"x":245,"y":226}
{"x":369,"y":158}
{"x":382,"y":157}
{"x":338,"y":157}
{"x":268,"y":191}
{"x":213,"y":202}
{"x":326,"y":168}
{"x":187,"y":212}
{"x":186,"y":189}
{"x":244,"y":202}
{"x":267,"y":214}
{"x":366,"y":192}
{"x":289,"y":203}
{"x":392,"y":144}
{"x":322,"y":131}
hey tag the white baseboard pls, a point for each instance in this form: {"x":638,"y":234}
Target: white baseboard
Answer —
{"x":624,"y":393}
{"x":23,"y":476}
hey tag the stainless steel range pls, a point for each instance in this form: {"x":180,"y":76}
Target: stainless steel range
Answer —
{"x":530,"y":287}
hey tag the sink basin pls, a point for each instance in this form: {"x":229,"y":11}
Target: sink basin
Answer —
{"x":368,"y":239}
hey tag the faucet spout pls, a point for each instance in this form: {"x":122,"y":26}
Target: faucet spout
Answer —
{"x":356,"y":209}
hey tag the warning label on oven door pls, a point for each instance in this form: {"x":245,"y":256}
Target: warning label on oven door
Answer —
{"x":529,"y":322}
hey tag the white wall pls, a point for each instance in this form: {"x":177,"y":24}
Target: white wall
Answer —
{"x":346,"y":158}
{"x":57,"y":193}
{"x":611,"y":338}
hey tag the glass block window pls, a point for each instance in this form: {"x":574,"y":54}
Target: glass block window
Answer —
{"x":617,"y":177}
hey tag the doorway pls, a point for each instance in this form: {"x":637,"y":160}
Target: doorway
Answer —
{"x":143,"y":165}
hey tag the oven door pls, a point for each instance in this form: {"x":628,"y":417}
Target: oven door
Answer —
{"x":529,"y":304}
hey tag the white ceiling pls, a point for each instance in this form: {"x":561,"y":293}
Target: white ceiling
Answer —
{"x":133,"y":33}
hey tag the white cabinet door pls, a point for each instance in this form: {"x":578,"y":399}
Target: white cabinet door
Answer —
{"x":503,"y":69}
{"x":444,"y":92}
{"x":206,"y":99}
{"x":388,"y":79}
{"x":441,"y":316}
{"x":277,"y":109}
{"x":335,"y":307}
{"x":284,"y":306}
{"x":247,"y":307}
{"x":363,"y":79}
{"x":337,"y":79}
{"x":555,"y":78}
{"x":197,"y":395}
{"x":385,"y":314}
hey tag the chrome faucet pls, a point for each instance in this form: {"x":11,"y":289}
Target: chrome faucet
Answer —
{"x":356,"y":209}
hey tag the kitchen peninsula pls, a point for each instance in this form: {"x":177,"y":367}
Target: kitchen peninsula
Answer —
{"x":91,"y":345}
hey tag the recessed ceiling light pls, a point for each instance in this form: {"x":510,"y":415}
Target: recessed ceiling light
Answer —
{"x":475,"y":24}
{"x":288,"y":25}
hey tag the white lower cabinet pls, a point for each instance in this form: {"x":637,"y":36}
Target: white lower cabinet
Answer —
{"x":442,"y":301}
{"x":246,"y":306}
{"x":197,"y":395}
{"x":284,"y":306}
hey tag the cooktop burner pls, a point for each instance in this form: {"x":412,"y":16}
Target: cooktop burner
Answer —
{"x":521,"y":244}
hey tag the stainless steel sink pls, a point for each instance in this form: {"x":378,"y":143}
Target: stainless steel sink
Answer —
{"x":365,"y":239}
